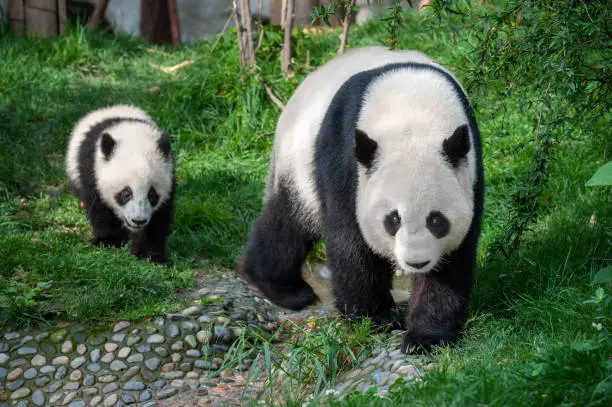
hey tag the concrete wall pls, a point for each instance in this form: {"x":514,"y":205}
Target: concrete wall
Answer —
{"x":3,"y":11}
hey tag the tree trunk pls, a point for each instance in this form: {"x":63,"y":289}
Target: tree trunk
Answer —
{"x":154,"y":21}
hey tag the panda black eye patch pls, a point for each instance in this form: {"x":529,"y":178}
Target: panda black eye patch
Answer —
{"x":392,"y":222}
{"x":153,"y":196}
{"x":438,"y":224}
{"x":124,"y":196}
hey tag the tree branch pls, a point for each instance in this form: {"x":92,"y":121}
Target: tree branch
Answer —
{"x":346,"y":23}
{"x":286,"y":22}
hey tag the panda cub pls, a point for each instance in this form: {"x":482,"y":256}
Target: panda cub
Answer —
{"x":379,"y":153}
{"x":120,"y":165}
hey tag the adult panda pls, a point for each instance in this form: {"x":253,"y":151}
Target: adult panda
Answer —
{"x":120,"y":165}
{"x":378,"y":152}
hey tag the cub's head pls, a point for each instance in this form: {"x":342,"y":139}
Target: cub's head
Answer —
{"x":414,"y":198}
{"x":134,"y":171}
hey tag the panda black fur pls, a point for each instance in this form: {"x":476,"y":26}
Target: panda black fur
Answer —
{"x":378,"y":152}
{"x":121,"y":166}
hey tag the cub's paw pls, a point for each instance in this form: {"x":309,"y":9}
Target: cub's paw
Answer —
{"x":110,"y":241}
{"x":294,"y":294}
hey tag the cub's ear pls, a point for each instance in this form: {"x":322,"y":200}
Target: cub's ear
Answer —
{"x":164,"y":144}
{"x":365,"y":149}
{"x":456,"y":147}
{"x":107,"y":146}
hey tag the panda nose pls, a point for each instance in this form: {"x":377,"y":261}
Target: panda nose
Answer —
{"x":418,"y":265}
{"x":139,"y":221}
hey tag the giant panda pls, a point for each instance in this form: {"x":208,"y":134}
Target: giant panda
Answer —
{"x":379,"y":153}
{"x":121,"y":166}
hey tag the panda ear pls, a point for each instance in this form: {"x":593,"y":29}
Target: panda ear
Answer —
{"x":456,"y":147}
{"x":164,"y":144}
{"x":365,"y":149}
{"x":107,"y":146}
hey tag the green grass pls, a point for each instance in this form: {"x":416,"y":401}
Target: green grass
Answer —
{"x":530,"y":339}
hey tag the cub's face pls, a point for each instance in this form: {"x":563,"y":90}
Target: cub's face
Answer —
{"x":134,"y":176}
{"x":415,"y":207}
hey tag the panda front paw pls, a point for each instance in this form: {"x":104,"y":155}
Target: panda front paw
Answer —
{"x":155,"y":257}
{"x":110,"y":241}
{"x":424,"y":343}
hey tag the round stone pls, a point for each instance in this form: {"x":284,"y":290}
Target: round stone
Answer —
{"x":192,"y":375}
{"x":131,"y":372}
{"x":81,"y":349}
{"x":71,"y":386}
{"x":17,"y":362}
{"x":14,"y":374}
{"x":178,"y":345}
{"x":110,"y":388}
{"x":77,"y":403}
{"x":127,"y":398}
{"x":191,"y":341}
{"x":176,"y":357}
{"x":167,"y":392}
{"x":95,"y":355}
{"x":204,"y":336}
{"x":38,"y":360}
{"x":135,"y":358}
{"x":145,"y":396}
{"x":108,"y":357}
{"x":110,"y":347}
{"x":9,"y":336}
{"x":69,"y":397}
{"x":155,"y":339}
{"x":172,"y":330}
{"x":96,"y":340}
{"x":94,"y":367}
{"x":55,"y":398}
{"x":89,"y":380}
{"x":47,"y":369}
{"x":172,"y":375}
{"x":60,"y":360}
{"x":152,"y":363}
{"x":110,"y":401}
{"x":193,"y":353}
{"x":144,"y":348}
{"x":30,"y":373}
{"x":121,"y":325}
{"x":107,"y":378}
{"x":95,"y":401}
{"x":67,"y":347}
{"x":89,"y":391}
{"x":20,"y":393}
{"x":185,"y":367}
{"x":38,"y":397}
{"x":134,"y":385}
{"x":27,"y":351}
{"x":3,"y":358}
{"x":124,"y":352}
{"x":78,"y":362}
{"x":61,"y":372}
{"x":3,"y":373}
{"x":177,"y":317}
{"x":118,"y":365}
{"x":41,"y":336}
{"x":42,"y":381}
{"x":76,"y":375}
{"x":14,"y":385}
{"x":163,"y":352}
{"x":192,"y":311}
{"x":52,"y":388}
{"x":80,"y":337}
{"x":133,"y":340}
{"x":118,"y":337}
{"x":205,"y":364}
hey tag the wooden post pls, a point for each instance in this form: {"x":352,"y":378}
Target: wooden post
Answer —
{"x":42,"y":18}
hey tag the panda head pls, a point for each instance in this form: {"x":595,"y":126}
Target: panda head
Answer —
{"x":414,"y":199}
{"x":134,"y":171}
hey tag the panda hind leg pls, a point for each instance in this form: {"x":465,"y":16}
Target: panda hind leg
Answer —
{"x":275,"y":252}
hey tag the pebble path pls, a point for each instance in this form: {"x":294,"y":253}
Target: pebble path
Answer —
{"x":176,"y":360}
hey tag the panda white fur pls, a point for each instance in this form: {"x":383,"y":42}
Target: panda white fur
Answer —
{"x":378,"y":152}
{"x":120,"y":165}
